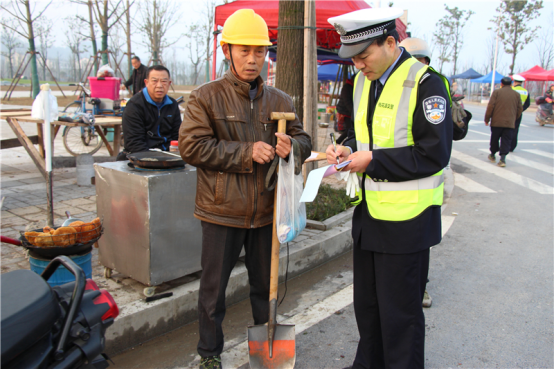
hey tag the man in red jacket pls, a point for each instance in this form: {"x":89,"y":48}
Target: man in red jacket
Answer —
{"x":502,"y":111}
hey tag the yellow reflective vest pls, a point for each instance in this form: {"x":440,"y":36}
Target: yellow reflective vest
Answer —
{"x":392,"y":128}
{"x":522,"y":93}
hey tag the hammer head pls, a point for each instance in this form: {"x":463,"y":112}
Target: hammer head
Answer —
{"x":285,"y":116}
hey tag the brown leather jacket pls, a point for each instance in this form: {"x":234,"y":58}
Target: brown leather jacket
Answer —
{"x":219,"y":129}
{"x":504,"y":108}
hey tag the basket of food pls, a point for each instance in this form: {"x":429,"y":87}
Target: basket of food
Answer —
{"x":75,"y":238}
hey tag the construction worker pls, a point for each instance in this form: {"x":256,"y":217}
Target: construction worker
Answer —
{"x":403,"y":139}
{"x":228,"y":135}
{"x":525,"y":100}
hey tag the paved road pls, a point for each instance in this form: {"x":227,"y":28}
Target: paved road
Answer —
{"x":490,"y":278}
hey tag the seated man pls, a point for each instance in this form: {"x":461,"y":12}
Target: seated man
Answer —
{"x":151,"y":119}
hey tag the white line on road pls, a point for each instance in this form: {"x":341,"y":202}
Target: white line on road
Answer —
{"x":540,"y":153}
{"x":447,"y":221}
{"x":503,"y":173}
{"x":238,"y":355}
{"x":470,"y":185}
{"x":481,"y":133}
{"x":524,"y":125}
{"x":487,"y":141}
{"x":531,"y":164}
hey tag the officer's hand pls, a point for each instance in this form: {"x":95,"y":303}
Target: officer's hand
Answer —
{"x":342,"y":152}
{"x":360,"y":161}
{"x":262,"y":153}
{"x":283,"y":145}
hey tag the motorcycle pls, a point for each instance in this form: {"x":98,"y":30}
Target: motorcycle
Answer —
{"x":54,"y":327}
{"x":544,"y":113}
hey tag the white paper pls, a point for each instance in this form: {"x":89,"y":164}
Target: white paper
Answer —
{"x":313,"y":155}
{"x":314,"y":181}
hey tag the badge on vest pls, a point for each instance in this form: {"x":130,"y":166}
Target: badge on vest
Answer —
{"x":435,"y":109}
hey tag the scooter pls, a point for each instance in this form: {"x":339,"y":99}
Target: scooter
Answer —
{"x":544,"y":113}
{"x":54,"y":327}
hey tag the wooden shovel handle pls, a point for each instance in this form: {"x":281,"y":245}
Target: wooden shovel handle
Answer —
{"x":275,"y":245}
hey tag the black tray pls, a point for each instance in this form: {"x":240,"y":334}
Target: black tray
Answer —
{"x":53,"y":251}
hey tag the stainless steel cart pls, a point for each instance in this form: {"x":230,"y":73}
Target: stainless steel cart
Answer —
{"x":150,"y":233}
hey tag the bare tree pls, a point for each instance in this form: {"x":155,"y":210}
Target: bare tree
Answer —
{"x":106,"y":17}
{"x":10,"y":43}
{"x":442,"y":41}
{"x":209,"y":14}
{"x":455,"y":22}
{"x":21,"y":11}
{"x":46,"y":41}
{"x":195,"y":46}
{"x":89,"y":22}
{"x":158,"y":17}
{"x":545,"y":49}
{"x":75,"y":41}
{"x":512,"y":23}
{"x":128,"y":35}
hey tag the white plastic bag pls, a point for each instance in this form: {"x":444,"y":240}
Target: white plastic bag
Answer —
{"x":291,"y":213}
{"x":105,"y":71}
{"x":37,"y":110}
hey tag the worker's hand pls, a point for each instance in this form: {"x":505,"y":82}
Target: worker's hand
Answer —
{"x":487,"y":124}
{"x":263,"y":153}
{"x":342,"y":152}
{"x":360,"y":161}
{"x":283,"y":145}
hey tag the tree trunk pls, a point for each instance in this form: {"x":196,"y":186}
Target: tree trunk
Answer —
{"x":34,"y":70}
{"x":92,"y":36}
{"x":104,"y":48}
{"x":290,"y":53}
{"x":129,"y":55}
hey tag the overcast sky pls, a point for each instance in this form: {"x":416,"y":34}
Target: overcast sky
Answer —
{"x":423,"y":16}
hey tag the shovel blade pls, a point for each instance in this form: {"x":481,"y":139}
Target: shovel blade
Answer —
{"x":284,"y":347}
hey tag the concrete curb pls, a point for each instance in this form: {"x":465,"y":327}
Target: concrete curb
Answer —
{"x":140,"y":321}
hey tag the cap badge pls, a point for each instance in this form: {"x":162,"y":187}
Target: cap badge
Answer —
{"x":340,"y":29}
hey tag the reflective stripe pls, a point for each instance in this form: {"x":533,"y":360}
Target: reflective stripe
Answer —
{"x":358,"y":91}
{"x":428,"y":183}
{"x":403,"y":114}
{"x":362,"y":146}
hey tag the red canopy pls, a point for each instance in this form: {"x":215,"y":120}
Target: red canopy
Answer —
{"x":534,"y":74}
{"x":327,"y":37}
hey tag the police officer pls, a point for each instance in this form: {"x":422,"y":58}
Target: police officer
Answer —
{"x":403,"y":139}
{"x":525,"y":100}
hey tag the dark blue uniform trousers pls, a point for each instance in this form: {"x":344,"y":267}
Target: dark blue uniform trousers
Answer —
{"x":388,"y":291}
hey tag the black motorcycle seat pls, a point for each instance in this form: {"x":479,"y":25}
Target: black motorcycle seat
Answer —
{"x":29,"y":311}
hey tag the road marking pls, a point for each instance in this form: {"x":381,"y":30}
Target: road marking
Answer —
{"x":470,"y":185}
{"x":481,"y":133}
{"x":238,"y":355}
{"x":487,"y":141}
{"x":540,"y":153}
{"x":503,"y":173}
{"x":531,"y":164}
{"x":524,"y":125}
{"x":447,"y":221}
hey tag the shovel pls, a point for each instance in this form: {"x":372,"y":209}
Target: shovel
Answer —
{"x":273,"y":345}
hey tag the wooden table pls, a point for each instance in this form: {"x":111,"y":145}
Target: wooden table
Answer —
{"x":13,"y":117}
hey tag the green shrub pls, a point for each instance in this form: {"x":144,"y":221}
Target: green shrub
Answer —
{"x":328,"y":202}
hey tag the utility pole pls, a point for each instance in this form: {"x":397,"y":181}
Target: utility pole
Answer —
{"x":494,"y":65}
{"x":310,"y":78}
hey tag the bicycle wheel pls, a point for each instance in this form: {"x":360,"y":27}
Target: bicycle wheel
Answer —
{"x":74,"y":107}
{"x":81,"y":140}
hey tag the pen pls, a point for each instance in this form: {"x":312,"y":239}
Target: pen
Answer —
{"x":334,"y":145}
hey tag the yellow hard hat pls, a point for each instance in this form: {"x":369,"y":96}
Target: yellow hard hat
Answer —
{"x":245,"y":27}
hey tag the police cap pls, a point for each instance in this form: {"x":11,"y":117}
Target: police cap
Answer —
{"x":360,"y":28}
{"x":518,"y":78}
